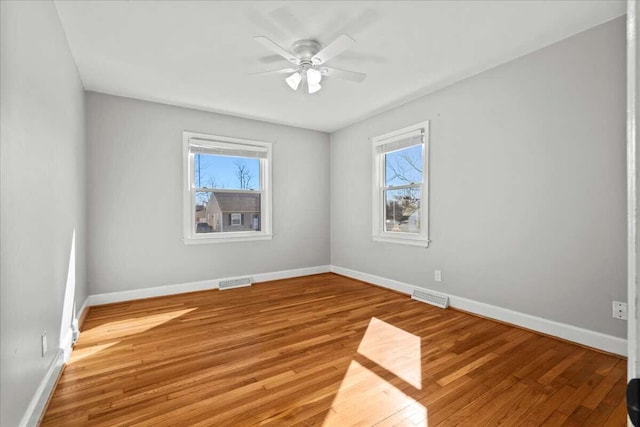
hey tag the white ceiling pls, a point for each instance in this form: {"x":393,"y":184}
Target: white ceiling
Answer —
{"x":199,"y":54}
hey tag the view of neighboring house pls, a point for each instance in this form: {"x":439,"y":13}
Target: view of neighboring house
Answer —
{"x":228,"y":212}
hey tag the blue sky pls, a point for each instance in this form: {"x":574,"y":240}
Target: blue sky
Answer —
{"x":407,"y":162}
{"x":222,"y":170}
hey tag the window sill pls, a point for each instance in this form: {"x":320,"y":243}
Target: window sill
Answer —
{"x":225,"y":239}
{"x":403,"y":241}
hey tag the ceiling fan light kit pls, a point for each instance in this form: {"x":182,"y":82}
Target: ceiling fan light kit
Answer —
{"x":313,"y":76}
{"x":294,"y":80}
{"x":308,"y":56}
{"x":314,"y":88}
{"x":313,"y":80}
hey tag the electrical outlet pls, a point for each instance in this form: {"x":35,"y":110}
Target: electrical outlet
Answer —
{"x":43,"y":339}
{"x":620,"y":310}
{"x":437,"y":274}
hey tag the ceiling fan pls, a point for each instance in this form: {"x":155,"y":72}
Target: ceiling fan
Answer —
{"x":308,"y":57}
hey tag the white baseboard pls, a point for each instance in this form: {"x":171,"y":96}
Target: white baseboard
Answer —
{"x":39,"y":400}
{"x":565,"y":331}
{"x":111,"y":297}
{"x":568,"y":332}
{"x":562,"y":330}
{"x":85,"y":305}
{"x":202,"y":285}
{"x":66,"y":344}
{"x":288,"y":274}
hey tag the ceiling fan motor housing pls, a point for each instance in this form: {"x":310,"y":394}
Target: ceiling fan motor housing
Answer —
{"x":304,"y":50}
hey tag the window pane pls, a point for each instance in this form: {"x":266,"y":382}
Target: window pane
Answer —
{"x":402,"y":210}
{"x":217,"y":212}
{"x":403,"y":166}
{"x":235,"y":173}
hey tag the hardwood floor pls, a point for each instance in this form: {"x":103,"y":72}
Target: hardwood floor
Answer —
{"x":325,"y":350}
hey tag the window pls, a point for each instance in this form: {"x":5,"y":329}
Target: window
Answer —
{"x":227,"y":182}
{"x":400,"y":186}
{"x":236,"y":219}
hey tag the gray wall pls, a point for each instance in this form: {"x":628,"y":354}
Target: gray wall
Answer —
{"x":42,"y":194}
{"x":527,"y":185}
{"x":134,"y":168}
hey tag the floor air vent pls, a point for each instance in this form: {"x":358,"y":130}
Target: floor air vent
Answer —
{"x":432,"y":298}
{"x":234,"y":283}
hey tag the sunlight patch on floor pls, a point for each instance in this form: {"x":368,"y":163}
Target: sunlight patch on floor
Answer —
{"x":394,"y":349}
{"x":132,"y":326}
{"x":366,"y":399}
{"x":81,"y":353}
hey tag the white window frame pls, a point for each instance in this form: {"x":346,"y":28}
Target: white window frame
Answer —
{"x":189,"y":189}
{"x":378,"y":201}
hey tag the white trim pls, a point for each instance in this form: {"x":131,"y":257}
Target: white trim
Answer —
{"x":288,"y":274}
{"x":400,"y":142}
{"x":202,"y":285}
{"x":633,"y":362}
{"x":85,"y":306}
{"x":39,"y":400}
{"x":378,"y":187}
{"x":188,"y":208}
{"x":402,"y":241}
{"x":158,"y":291}
{"x":66,"y":342}
{"x":38,"y":403}
{"x":401,"y":133}
{"x":66,"y":345}
{"x":238,"y":236}
{"x":205,"y":138}
{"x":217,"y":143}
{"x":572,"y":333}
{"x":225,"y":190}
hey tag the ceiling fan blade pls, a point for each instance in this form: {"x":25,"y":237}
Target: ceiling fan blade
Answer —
{"x":270,"y":59}
{"x":343,"y":74}
{"x":288,"y":21}
{"x":266,"y":24}
{"x":334,"y":48}
{"x":280,"y":71}
{"x":274,"y":47}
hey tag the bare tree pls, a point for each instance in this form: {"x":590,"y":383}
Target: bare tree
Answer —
{"x":404,"y":166}
{"x":243,"y":174}
{"x":203,"y":176}
{"x":212,"y":182}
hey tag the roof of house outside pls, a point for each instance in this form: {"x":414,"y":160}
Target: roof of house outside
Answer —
{"x":237,"y":202}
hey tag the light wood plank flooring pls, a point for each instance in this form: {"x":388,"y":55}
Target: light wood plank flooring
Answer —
{"x":325,"y":350}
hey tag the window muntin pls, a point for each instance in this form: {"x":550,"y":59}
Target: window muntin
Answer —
{"x":400,"y":192}
{"x":228,"y":183}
